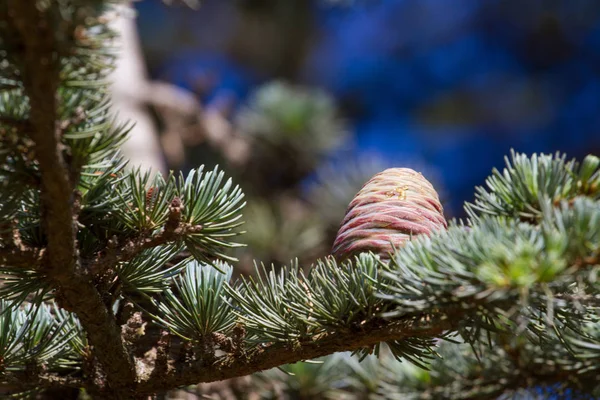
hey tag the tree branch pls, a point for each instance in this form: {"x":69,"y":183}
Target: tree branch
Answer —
{"x":40,"y":70}
{"x":227,"y":367}
{"x":21,"y":258}
{"x":26,"y":381}
{"x":14,"y":123}
{"x":14,"y":253}
{"x":173,"y":231}
{"x":422,"y":325}
{"x":135,"y":246}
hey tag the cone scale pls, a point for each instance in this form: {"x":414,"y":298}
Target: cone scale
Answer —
{"x":391,"y":208}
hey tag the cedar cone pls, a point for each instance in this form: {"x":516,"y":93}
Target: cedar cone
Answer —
{"x":391,"y":207}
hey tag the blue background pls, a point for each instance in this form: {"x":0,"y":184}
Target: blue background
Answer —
{"x":451,"y":84}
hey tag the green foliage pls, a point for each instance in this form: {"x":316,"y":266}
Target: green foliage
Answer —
{"x":149,"y":271}
{"x":21,"y":284}
{"x":87,"y":129}
{"x":196,"y":306}
{"x":264,"y":305}
{"x":280,"y":232}
{"x":100,"y":201}
{"x":285,"y":116}
{"x":342,"y":376}
{"x":340,"y":295}
{"x":88,"y":133}
{"x":289,"y":130}
{"x":500,"y":254}
{"x":130,"y":204}
{"x":500,"y":275}
{"x":118,"y":206}
{"x":78,"y":346}
{"x":292,"y":307}
{"x":31,"y":337}
{"x":494,"y":369}
{"x":526,"y":182}
{"x":145,"y":200}
{"x":216,"y":207}
{"x":498,"y":371}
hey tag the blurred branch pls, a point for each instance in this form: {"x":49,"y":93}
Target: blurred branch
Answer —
{"x":194,"y":4}
{"x":21,"y":258}
{"x":15,"y":123}
{"x":188,"y":123}
{"x":170,"y":98}
{"x":130,"y":80}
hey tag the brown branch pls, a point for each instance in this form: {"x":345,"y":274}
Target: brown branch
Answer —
{"x":13,"y":133}
{"x":280,"y":354}
{"x":14,"y":123}
{"x":25,"y":380}
{"x":15,"y":257}
{"x":14,"y":253}
{"x":173,"y":231}
{"x":237,"y":364}
{"x":135,"y":246}
{"x":187,"y":123}
{"x":40,"y":71}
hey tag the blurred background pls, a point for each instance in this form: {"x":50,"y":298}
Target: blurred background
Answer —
{"x":302,"y":101}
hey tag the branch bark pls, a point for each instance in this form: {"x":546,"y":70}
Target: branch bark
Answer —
{"x":173,"y":231}
{"x":25,"y":380}
{"x":40,"y":70}
{"x":17,"y":124}
{"x":134,"y":247}
{"x":21,"y":258}
{"x":228,"y":367}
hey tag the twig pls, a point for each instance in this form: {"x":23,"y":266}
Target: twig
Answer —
{"x":189,"y":124}
{"x":15,"y":257}
{"x":173,"y":231}
{"x":25,"y":380}
{"x":14,"y":123}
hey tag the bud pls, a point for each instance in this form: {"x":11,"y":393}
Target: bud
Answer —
{"x":390,"y":209}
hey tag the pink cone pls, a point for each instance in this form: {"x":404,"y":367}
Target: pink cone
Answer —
{"x":391,"y":207}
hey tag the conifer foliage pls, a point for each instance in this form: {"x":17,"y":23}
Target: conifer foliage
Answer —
{"x":117,"y":282}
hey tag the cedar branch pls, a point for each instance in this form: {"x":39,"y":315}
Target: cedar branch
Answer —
{"x":424,"y":325}
{"x":228,"y":367}
{"x":21,"y":258}
{"x":25,"y":380}
{"x":173,"y":231}
{"x":40,"y":70}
